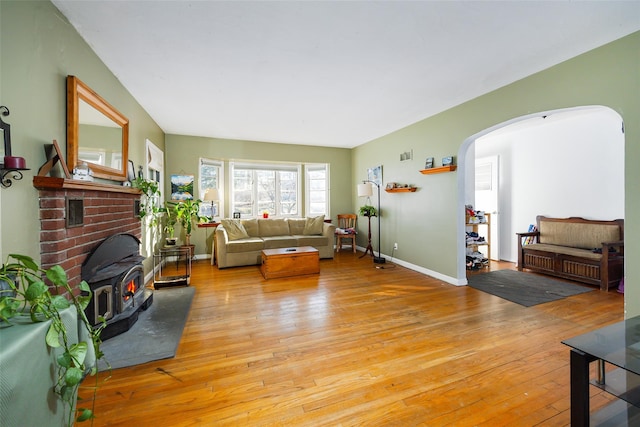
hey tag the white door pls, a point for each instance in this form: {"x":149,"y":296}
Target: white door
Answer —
{"x":486,"y":197}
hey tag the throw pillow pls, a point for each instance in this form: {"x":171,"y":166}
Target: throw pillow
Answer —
{"x":235,"y":229}
{"x":313,"y":226}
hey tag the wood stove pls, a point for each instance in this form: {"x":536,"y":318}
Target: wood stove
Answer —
{"x":115,"y":275}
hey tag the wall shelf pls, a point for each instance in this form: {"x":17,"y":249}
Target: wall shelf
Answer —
{"x":441,"y":169}
{"x":16,"y":174}
{"x":401,"y":190}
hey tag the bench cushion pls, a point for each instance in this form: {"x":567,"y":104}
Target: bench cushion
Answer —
{"x":565,"y":250}
{"x":577,"y":235}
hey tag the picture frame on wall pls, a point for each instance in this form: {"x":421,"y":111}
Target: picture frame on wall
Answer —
{"x":182,"y":187}
{"x":374,"y":174}
{"x":447,"y":161}
{"x":131,"y":171}
{"x":428,"y":164}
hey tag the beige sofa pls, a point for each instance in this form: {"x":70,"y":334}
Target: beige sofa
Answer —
{"x":232,"y":248}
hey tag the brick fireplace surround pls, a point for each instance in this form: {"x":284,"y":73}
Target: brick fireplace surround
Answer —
{"x":106,"y":210}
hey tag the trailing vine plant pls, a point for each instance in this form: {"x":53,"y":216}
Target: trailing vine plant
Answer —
{"x":25,"y":292}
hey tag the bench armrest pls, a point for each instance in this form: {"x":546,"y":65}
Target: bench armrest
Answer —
{"x":617,"y":244}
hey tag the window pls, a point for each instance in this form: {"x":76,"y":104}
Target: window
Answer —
{"x":211,"y":177}
{"x":317,"y":187}
{"x":258,"y":188}
{"x":155,"y":167}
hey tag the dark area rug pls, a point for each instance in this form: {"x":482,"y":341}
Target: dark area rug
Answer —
{"x":526,"y":289}
{"x":155,"y":335}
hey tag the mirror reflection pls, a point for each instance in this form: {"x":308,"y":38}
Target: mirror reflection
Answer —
{"x":96,"y":133}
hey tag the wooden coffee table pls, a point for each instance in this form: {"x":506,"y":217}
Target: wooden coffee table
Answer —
{"x":287,"y":262}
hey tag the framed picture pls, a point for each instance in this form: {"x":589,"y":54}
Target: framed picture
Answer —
{"x":374,"y":174}
{"x":182,"y":187}
{"x":131,"y":171}
{"x":428,"y":164}
{"x":447,"y":161}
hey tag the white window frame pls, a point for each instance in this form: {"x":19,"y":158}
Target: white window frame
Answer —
{"x":309,"y":167}
{"x":256,"y":166}
{"x":220,"y":165}
{"x":154,"y":166}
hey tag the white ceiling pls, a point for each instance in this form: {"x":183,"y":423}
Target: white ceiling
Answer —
{"x":330,"y":73}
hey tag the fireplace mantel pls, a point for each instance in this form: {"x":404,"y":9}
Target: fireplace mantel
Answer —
{"x":54,"y":183}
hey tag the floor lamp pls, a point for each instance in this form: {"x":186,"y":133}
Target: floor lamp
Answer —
{"x":366,"y":190}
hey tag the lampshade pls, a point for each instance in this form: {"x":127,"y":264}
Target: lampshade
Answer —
{"x":365,"y":190}
{"x":211,"y":195}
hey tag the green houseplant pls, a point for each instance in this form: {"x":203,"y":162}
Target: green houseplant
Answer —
{"x":368,"y":210}
{"x":170,"y":225}
{"x":26,"y":295}
{"x":187,"y":213}
{"x":149,"y":202}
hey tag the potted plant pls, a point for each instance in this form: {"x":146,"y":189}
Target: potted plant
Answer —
{"x":29,"y":297}
{"x":368,"y":210}
{"x":150,"y":200}
{"x":170,"y":226}
{"x":187,"y":212}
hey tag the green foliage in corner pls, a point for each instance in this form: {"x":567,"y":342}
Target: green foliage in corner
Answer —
{"x":24,"y":292}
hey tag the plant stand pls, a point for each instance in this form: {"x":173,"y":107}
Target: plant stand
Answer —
{"x":160,"y":260}
{"x":369,"y":248}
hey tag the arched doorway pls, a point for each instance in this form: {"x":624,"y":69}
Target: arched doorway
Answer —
{"x":543,"y":165}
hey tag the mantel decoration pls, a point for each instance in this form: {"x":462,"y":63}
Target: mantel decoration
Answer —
{"x":25,"y":295}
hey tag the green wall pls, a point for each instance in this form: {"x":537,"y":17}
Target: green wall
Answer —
{"x":184,"y":152}
{"x":38,"y":49}
{"x":425,"y":223}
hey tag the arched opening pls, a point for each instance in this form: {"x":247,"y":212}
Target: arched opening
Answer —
{"x":567,"y":163}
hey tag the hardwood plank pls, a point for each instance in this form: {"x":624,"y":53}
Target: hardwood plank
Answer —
{"x":357,"y":345}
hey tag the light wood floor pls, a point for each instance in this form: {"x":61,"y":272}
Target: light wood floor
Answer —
{"x":357,"y":346}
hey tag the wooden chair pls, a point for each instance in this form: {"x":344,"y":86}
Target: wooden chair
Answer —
{"x":346,"y":222}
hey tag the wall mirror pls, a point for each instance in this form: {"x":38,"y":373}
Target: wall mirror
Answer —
{"x":96,"y":133}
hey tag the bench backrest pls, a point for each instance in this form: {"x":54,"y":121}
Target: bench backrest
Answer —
{"x":579,"y":232}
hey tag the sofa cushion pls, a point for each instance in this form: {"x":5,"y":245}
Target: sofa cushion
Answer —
{"x":275,"y":242}
{"x":273,"y":227}
{"x":313,"y":226}
{"x":235,"y":229}
{"x":296,"y":225}
{"x":314,"y":241}
{"x":577,"y":235}
{"x":250,"y":244}
{"x":251,"y":225}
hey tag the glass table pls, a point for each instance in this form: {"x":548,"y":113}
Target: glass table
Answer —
{"x":618,"y":345}
{"x":163,"y":275}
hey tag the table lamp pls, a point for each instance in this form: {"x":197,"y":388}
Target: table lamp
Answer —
{"x":211,"y":195}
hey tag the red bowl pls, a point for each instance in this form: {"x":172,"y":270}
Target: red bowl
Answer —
{"x":12,"y":162}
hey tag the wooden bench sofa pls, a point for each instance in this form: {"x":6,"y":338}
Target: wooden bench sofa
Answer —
{"x":579,"y":249}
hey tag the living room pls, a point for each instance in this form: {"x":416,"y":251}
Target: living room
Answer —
{"x":40,"y":48}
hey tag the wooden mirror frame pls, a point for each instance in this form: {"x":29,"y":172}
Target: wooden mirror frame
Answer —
{"x":77,"y":91}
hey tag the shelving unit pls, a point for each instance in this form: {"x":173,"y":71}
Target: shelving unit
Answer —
{"x":401,"y":190}
{"x":487,"y":228}
{"x":441,"y":169}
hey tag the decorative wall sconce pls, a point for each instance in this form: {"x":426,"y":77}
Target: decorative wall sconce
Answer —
{"x":12,"y":165}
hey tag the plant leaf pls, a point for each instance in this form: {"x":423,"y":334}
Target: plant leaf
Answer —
{"x":53,"y":336}
{"x":57,"y":275}
{"x":73,"y":376}
{"x":35,"y":291}
{"x":79,"y":352}
{"x":84,"y":286}
{"x":64,"y":360}
{"x":85,"y":414}
{"x":60,"y":302}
